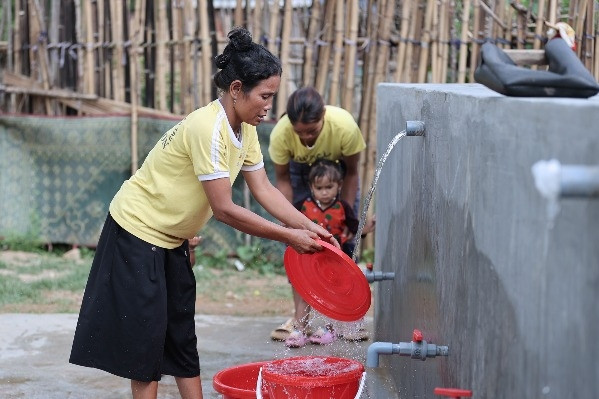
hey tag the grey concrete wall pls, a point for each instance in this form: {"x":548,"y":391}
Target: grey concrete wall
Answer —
{"x":478,"y":266}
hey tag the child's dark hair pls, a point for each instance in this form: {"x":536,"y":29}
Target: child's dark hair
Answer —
{"x":324,"y":167}
{"x":305,"y":105}
{"x":246,"y":61}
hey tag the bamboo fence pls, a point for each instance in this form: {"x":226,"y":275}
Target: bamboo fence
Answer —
{"x":83,"y":57}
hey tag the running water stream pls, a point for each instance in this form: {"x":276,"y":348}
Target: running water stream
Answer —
{"x":368,"y":197}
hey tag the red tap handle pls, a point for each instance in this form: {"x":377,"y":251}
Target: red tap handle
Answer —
{"x":369,"y":266}
{"x":454,"y":392}
{"x":417,"y":336}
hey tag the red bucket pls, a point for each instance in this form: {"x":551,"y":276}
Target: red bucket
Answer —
{"x":239,"y":382}
{"x":313,"y":377}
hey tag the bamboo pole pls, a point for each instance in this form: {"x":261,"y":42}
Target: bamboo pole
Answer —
{"x":463,"y":42}
{"x":475,"y":36}
{"x":572,"y":12}
{"x":384,"y":29}
{"x":272,"y":29}
{"x":238,"y":18}
{"x":337,"y":53}
{"x":53,"y":36}
{"x":435,"y":46}
{"x":89,"y":75}
{"x":596,"y":54}
{"x":161,"y":54}
{"x":407,"y":67}
{"x":579,"y":29}
{"x":404,"y":31}
{"x":552,"y":11}
{"x":104,"y":71}
{"x":11,"y":34}
{"x":308,"y":72}
{"x":540,"y":25}
{"x":206,"y":62}
{"x":136,"y":23}
{"x":588,"y":36}
{"x":350,"y":52}
{"x":37,"y":27}
{"x":283,"y":94}
{"x":444,"y":27}
{"x":118,"y":71}
{"x":325,"y":50}
{"x":176,"y":72}
{"x":257,"y":21}
{"x":187,"y":87}
{"x":425,"y":40}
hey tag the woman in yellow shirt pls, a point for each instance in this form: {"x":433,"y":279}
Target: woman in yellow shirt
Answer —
{"x":137,"y":315}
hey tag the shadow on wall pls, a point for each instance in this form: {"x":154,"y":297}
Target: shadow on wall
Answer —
{"x":450,"y":291}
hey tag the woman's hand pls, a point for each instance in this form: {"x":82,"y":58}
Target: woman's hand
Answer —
{"x":304,"y":241}
{"x":323,"y":234}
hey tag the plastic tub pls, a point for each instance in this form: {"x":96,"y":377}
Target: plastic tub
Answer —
{"x":239,"y":382}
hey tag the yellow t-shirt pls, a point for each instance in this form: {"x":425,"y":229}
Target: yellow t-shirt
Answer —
{"x":340,"y":136}
{"x":164,"y":202}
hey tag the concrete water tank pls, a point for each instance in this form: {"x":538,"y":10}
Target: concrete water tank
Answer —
{"x":480,"y":265}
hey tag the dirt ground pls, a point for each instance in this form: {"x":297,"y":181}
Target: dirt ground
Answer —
{"x":219,"y":292}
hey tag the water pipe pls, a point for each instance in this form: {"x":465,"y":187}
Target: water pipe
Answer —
{"x":373,"y":276}
{"x":414,"y":128}
{"x":553,"y":179}
{"x":417,"y":349}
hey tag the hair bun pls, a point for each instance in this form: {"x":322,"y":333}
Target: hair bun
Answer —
{"x":240,"y":38}
{"x":222,"y":60}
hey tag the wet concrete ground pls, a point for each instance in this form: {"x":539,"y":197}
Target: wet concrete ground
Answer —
{"x":34,"y":351}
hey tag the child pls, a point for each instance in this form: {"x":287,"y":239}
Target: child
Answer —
{"x":325,"y":208}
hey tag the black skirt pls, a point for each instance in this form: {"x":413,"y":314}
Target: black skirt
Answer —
{"x":137,"y":315}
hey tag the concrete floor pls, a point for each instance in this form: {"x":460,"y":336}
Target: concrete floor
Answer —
{"x":34,"y":351}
